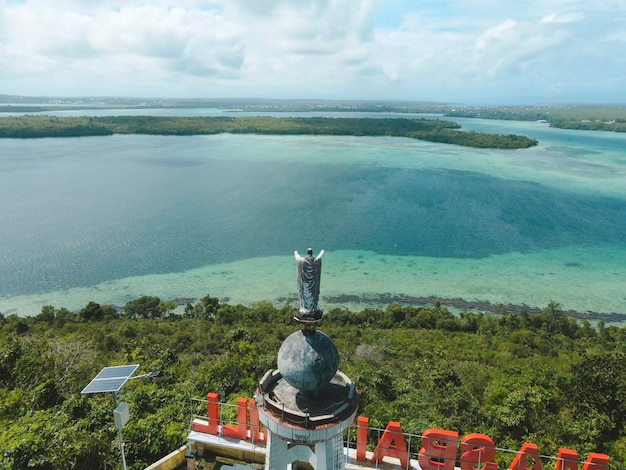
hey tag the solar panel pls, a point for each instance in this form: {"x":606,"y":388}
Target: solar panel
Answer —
{"x":110,"y":379}
{"x":105,"y":385}
{"x":117,"y":371}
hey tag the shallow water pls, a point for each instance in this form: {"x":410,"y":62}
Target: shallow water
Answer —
{"x":112,"y":218}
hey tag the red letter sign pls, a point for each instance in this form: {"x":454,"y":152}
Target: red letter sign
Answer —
{"x":212,"y":416}
{"x":241,"y":430}
{"x":439,"y":450}
{"x":361,"y":438}
{"x":520,"y":462}
{"x":596,"y":461}
{"x":392,"y":444}
{"x":478,"y":449}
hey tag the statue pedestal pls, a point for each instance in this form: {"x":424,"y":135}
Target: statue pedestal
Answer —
{"x":309,"y":320}
{"x":306,"y":427}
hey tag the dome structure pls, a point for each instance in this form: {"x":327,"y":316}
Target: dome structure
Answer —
{"x":308,"y":361}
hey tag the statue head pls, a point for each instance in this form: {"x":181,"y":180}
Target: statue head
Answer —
{"x":309,"y":251}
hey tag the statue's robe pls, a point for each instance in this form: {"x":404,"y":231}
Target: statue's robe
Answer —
{"x":309,"y":273}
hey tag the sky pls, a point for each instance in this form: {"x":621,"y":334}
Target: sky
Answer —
{"x":453,"y":51}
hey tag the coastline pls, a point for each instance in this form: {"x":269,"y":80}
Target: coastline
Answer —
{"x":358,"y":303}
{"x":477,"y":306}
{"x":586,"y":282}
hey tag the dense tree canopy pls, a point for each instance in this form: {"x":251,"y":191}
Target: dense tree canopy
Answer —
{"x":543,"y":378}
{"x":433,"y":130}
{"x":590,"y":118}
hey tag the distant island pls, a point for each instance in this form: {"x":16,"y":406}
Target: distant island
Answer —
{"x":579,"y":117}
{"x":602,"y":117}
{"x":432,"y":130}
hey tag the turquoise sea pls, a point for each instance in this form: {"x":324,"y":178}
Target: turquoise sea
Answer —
{"x":112,"y":218}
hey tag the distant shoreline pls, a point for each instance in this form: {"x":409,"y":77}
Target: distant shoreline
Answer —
{"x":595,"y":117}
{"x":469,"y":305}
{"x":383,"y":300}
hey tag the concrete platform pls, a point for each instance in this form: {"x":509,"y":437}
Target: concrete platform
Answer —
{"x":255,"y":453}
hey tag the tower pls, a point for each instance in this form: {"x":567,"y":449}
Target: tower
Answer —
{"x":307,"y":403}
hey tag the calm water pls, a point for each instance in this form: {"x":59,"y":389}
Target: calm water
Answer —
{"x":113,"y":218}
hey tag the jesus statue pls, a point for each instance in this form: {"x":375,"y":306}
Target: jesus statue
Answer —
{"x":309,"y":272}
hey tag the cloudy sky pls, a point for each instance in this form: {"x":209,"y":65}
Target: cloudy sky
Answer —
{"x":462,"y":51}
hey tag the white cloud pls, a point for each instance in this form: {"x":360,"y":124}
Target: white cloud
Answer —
{"x":445,"y":50}
{"x":511,"y":47}
{"x":564,"y":18}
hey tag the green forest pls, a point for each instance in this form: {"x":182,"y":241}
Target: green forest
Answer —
{"x":432,"y":130}
{"x":603,"y":117}
{"x":543,"y":378}
{"x":591,"y":118}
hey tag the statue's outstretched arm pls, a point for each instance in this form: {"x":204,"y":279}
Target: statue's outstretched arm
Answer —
{"x":297,"y":255}
{"x":319,"y":256}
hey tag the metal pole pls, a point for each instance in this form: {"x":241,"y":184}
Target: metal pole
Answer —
{"x":119,"y":434}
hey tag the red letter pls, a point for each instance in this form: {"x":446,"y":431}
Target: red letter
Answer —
{"x":241,"y":430}
{"x":392,"y":444}
{"x":212,"y":416}
{"x":567,"y":460}
{"x":473,"y":453}
{"x":520,"y":462}
{"x":445,"y":454}
{"x":213,"y":412}
{"x":361,"y":438}
{"x":255,"y":424}
{"x":596,"y":461}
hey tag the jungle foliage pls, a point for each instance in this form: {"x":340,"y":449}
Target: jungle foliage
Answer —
{"x":543,"y":378}
{"x":432,"y":130}
{"x":591,"y":118}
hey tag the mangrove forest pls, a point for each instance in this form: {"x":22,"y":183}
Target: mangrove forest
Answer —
{"x":432,"y":130}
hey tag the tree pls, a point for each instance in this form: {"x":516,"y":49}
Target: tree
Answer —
{"x":167,"y":307}
{"x":204,"y":309}
{"x":556,"y":321}
{"x":599,"y":387}
{"x":47,"y":314}
{"x":143,"y":307}
{"x":92,"y":311}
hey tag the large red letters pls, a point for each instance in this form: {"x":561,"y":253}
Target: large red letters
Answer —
{"x":438,"y":450}
{"x":241,"y":430}
{"x":361,"y":438}
{"x":213,"y":416}
{"x":478,"y":449}
{"x":392,"y":444}
{"x":520,"y":462}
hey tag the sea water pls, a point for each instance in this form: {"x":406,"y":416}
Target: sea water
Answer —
{"x":112,"y":218}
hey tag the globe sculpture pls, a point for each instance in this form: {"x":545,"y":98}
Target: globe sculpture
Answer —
{"x":308,"y":362}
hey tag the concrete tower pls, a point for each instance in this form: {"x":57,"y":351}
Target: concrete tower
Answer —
{"x":307,"y":403}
